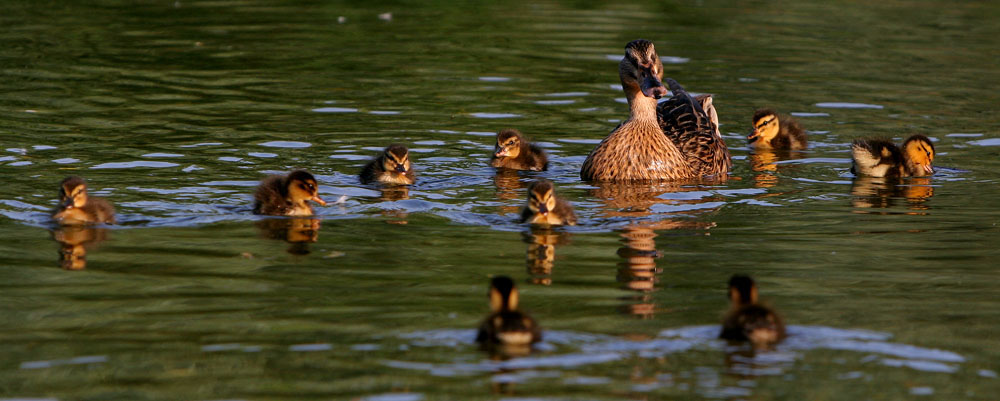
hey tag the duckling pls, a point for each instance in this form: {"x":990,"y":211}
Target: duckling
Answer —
{"x":513,"y":151}
{"x":882,"y":158}
{"x":771,"y":132}
{"x":545,"y":208}
{"x":75,"y":207}
{"x":748,"y":320}
{"x":390,"y":167}
{"x":676,"y":139}
{"x":286,"y":195}
{"x":506,"y":325}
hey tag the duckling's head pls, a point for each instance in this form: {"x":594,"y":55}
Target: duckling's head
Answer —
{"x":301,"y":186}
{"x":503,"y":294}
{"x":396,"y":158}
{"x":73,"y":192}
{"x":742,"y":290}
{"x":765,"y":126}
{"x":641,"y":69}
{"x":541,"y":197}
{"x":918,"y":151}
{"x":508,"y":143}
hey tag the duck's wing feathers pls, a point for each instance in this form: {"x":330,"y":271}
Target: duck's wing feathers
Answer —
{"x":874,"y":157}
{"x":268,"y":199}
{"x":683,"y":119}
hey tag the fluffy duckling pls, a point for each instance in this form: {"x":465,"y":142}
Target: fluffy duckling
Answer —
{"x":748,"y":320}
{"x":513,"y":151}
{"x":390,"y":167}
{"x":545,"y":208}
{"x":882,"y":158}
{"x":506,"y":325}
{"x":771,"y":132}
{"x":75,"y":207}
{"x":286,"y":195}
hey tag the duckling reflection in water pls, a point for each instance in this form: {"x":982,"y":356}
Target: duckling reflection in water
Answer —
{"x":638,"y":271}
{"x":882,"y":158}
{"x":882,"y":193}
{"x":299,"y":232}
{"x":541,"y":254}
{"x":506,"y":326}
{"x":545,"y":208}
{"x":74,"y":242}
{"x":514,"y":152}
{"x":286,"y":195}
{"x":508,"y":184}
{"x":748,"y":320}
{"x":391,"y":167}
{"x":75,"y":207}
{"x":771,"y":132}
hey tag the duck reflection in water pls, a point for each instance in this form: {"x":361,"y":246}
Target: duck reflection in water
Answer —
{"x":298,"y":232}
{"x":74,"y":242}
{"x":392,"y":194}
{"x":763,"y":161}
{"x":541,"y":254}
{"x":885,"y":192}
{"x":508,"y":183}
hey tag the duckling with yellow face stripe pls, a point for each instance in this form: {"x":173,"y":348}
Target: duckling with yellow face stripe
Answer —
{"x":391,"y":167}
{"x":506,"y":325}
{"x":748,"y":320}
{"x":286,"y":195}
{"x":545,"y":208}
{"x":75,"y":207}
{"x":882,"y":158}
{"x":513,"y":151}
{"x":771,"y":132}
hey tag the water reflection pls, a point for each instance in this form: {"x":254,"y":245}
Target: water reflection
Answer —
{"x":637,"y":272}
{"x":392,"y":194}
{"x":884,"y":193}
{"x":541,"y":254}
{"x":74,"y":242}
{"x":763,"y":162}
{"x":298,"y":232}
{"x":508,"y":184}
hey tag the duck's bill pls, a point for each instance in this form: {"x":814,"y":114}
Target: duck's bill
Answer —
{"x":928,"y":169}
{"x":317,"y":199}
{"x":753,"y":136}
{"x":500,"y":153}
{"x":652,"y":87}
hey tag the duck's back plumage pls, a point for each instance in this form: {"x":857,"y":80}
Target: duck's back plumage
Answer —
{"x":692,"y":130}
{"x":271,"y":197}
{"x":876,"y":158}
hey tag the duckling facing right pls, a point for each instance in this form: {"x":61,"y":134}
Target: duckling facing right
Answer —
{"x":286,"y":195}
{"x":771,"y":132}
{"x":513,"y":151}
{"x":545,"y":208}
{"x":882,"y":158}
{"x":75,"y":207}
{"x":391,"y":167}
{"x":748,"y":320}
{"x":506,"y":325}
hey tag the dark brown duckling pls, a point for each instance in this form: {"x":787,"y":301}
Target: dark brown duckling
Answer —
{"x":771,"y":132}
{"x":882,"y":158}
{"x":286,"y":195}
{"x":390,"y":167}
{"x":75,"y":207}
{"x":513,"y":151}
{"x":545,"y":208}
{"x":506,"y":325}
{"x":748,"y":320}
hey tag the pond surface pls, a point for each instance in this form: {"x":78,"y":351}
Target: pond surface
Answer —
{"x":174,"y":110}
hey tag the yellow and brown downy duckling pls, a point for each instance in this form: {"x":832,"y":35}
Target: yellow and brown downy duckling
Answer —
{"x":545,"y":208}
{"x":506,"y":325}
{"x":286,"y":195}
{"x":75,"y":207}
{"x":676,"y":139}
{"x":391,"y":167}
{"x":882,"y":158}
{"x":771,"y":132}
{"x":513,"y":151}
{"x":748,"y":320}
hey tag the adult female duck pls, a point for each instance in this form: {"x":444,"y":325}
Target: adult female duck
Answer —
{"x":677,"y":139}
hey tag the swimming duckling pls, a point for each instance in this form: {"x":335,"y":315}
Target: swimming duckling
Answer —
{"x":771,"y":132}
{"x":390,"y":167}
{"x":506,"y":325}
{"x":75,"y":207}
{"x":545,"y":208}
{"x":513,"y":151}
{"x":748,"y":320}
{"x":882,"y":158}
{"x":286,"y":195}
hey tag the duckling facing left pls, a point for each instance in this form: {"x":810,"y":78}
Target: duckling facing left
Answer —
{"x":513,"y":151}
{"x":506,"y":325}
{"x":771,"y":132}
{"x":882,"y":158}
{"x":545,"y":208}
{"x":391,"y":167}
{"x":286,"y":195}
{"x":748,"y":320}
{"x":75,"y":207}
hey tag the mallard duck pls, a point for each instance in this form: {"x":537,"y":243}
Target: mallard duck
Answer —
{"x":676,"y":139}
{"x":75,"y":207}
{"x":748,"y":320}
{"x":882,"y":158}
{"x":545,"y":208}
{"x":513,"y":151}
{"x":771,"y":132}
{"x":390,"y":167}
{"x":506,"y":325}
{"x":286,"y":195}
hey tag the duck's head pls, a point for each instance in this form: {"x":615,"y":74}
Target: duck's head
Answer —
{"x":301,"y":186}
{"x":503,"y":294}
{"x":742,"y":290}
{"x":541,"y":197}
{"x":765,"y":126}
{"x":760,"y":325}
{"x":641,"y":70}
{"x":508,"y":143}
{"x":73,"y":192}
{"x":918,"y":152}
{"x":396,"y":158}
